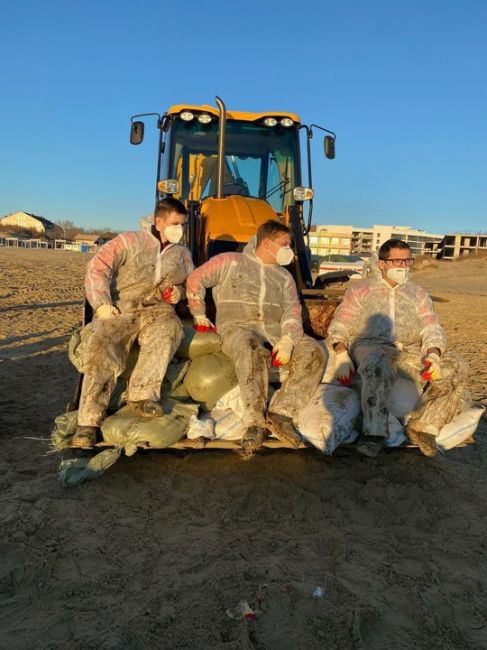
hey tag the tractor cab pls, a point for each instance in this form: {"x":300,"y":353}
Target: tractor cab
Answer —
{"x":234,"y":170}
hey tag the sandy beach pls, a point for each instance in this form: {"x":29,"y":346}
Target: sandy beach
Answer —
{"x":153,"y":553}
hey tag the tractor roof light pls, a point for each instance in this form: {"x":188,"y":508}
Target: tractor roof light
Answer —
{"x":186,"y":116}
{"x":204,"y":118}
{"x":168,"y":186}
{"x":270,"y":121}
{"x":303,"y":193}
{"x":286,"y":121}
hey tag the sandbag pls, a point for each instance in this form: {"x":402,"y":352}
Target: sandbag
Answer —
{"x":209,"y":377}
{"x":77,"y":470}
{"x":329,"y":418}
{"x":405,"y":395}
{"x":203,"y":427}
{"x":175,"y":373}
{"x":196,"y":344}
{"x":64,"y":430}
{"x":128,"y":430}
{"x":227,"y":425}
{"x":462,"y":427}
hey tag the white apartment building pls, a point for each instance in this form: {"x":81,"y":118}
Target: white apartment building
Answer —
{"x":352,"y":240}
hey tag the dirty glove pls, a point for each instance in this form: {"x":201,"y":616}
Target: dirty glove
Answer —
{"x":345,"y":370}
{"x":432,"y":367}
{"x":106,"y":311}
{"x":282,"y":351}
{"x":172,"y":295}
{"x":203,"y":324}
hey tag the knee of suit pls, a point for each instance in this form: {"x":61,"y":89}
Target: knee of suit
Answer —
{"x":308,"y":348}
{"x":376,"y":366}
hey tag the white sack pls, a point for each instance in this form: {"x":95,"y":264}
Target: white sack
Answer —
{"x":329,"y":419}
{"x":460,"y":428}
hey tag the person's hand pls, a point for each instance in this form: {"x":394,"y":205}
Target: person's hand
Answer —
{"x":432,"y":367}
{"x":203,"y":324}
{"x":106,"y":311}
{"x":172,"y":295}
{"x":344,"y":368}
{"x":282,"y":351}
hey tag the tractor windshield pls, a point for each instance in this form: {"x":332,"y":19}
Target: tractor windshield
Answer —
{"x":260,"y":161}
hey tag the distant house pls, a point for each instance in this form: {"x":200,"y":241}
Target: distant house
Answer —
{"x":90,"y":239}
{"x":32,"y":222}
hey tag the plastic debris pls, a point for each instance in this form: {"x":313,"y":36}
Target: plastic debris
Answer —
{"x":261,"y":594}
{"x":319,"y":592}
{"x":242,"y":611}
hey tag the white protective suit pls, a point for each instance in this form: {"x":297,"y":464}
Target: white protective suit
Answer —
{"x":257,"y":304}
{"x":131,"y":272}
{"x":389,"y":330}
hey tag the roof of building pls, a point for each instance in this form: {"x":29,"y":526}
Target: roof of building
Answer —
{"x":45,"y":222}
{"x":83,"y":236}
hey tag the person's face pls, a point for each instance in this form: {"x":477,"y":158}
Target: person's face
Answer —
{"x":170,"y":219}
{"x":397,"y":258}
{"x":273,"y":245}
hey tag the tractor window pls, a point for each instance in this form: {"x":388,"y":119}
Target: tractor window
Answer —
{"x":260,"y":161}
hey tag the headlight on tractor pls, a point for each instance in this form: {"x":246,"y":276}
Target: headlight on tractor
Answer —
{"x":303,"y":193}
{"x":204,"y":118}
{"x":168,"y":186}
{"x":186,"y":116}
{"x":270,"y":121}
{"x":286,"y":121}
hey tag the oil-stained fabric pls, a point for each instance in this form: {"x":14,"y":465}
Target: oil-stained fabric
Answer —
{"x":388,"y":330}
{"x":131,"y":271}
{"x":256,"y":305}
{"x":158,"y":331}
{"x":252,"y":361}
{"x":374,"y":312}
{"x":260,"y":297}
{"x":378,"y":366}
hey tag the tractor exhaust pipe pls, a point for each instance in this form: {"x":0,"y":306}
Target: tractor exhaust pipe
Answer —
{"x":221,"y":147}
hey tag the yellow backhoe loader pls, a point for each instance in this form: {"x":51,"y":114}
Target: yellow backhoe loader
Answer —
{"x":235,"y":170}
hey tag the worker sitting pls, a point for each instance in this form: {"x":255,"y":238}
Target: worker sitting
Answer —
{"x":386,"y":325}
{"x":259,"y":319}
{"x":133,"y":283}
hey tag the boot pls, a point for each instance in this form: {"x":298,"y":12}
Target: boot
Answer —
{"x":252,"y":440}
{"x":85,"y":437}
{"x":369,"y":446}
{"x":147,"y":408}
{"x":283,"y":428}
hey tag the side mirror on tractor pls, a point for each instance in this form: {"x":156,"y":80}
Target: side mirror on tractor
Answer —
{"x":329,"y":147}
{"x":136,"y":132}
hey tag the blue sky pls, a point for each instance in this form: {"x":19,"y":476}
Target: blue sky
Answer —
{"x":403,"y":84}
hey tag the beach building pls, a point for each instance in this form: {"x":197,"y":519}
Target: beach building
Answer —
{"x":32,"y":222}
{"x":458,"y":245}
{"x":352,"y":240}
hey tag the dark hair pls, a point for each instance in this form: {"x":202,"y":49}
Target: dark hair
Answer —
{"x":270,"y":229}
{"x":388,"y":245}
{"x":167,"y":205}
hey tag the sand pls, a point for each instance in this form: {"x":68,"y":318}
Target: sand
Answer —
{"x":153,"y":553}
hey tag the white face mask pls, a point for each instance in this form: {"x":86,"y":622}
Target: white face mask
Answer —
{"x":284,"y":255}
{"x":399,"y":276}
{"x":174,"y":233}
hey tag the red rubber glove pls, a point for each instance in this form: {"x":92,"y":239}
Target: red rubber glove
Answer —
{"x":203,"y":324}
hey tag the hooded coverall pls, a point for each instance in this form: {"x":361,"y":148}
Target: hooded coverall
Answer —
{"x":130,"y":272}
{"x":388,"y":330}
{"x":257,"y":303}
